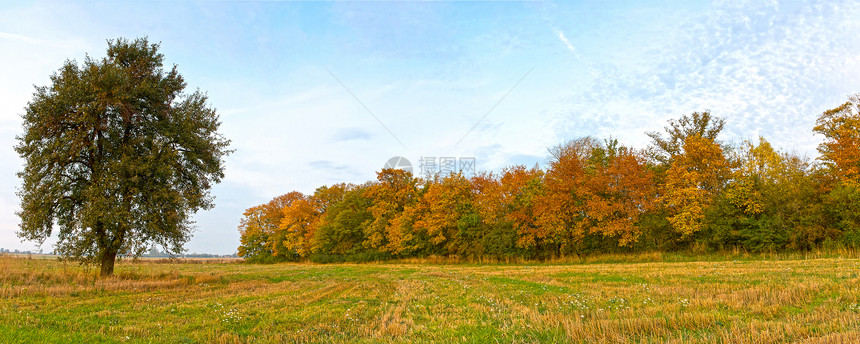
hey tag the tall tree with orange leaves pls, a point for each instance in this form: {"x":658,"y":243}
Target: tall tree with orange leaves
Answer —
{"x":560,"y":210}
{"x":594,"y":188}
{"x":619,"y":189}
{"x":292,"y":240}
{"x":840,"y":151}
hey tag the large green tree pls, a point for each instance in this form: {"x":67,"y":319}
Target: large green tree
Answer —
{"x":117,"y":157}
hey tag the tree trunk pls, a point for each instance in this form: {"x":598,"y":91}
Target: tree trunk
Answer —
{"x":108,"y":259}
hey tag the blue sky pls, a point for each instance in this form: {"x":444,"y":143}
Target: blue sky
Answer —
{"x":283,"y":74}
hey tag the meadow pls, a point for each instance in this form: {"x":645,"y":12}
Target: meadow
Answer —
{"x":642,"y":299}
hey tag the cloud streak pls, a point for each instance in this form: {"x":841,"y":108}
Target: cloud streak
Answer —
{"x":564,"y":40}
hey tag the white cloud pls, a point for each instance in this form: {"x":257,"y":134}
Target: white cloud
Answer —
{"x":565,"y":41}
{"x":767,"y":71}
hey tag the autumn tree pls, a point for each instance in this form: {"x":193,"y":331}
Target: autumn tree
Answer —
{"x":598,"y":188}
{"x":394,"y":190}
{"x":499,"y":237}
{"x":507,"y":206}
{"x":443,"y":211}
{"x":696,"y":175}
{"x":840,"y":156}
{"x":259,"y":228}
{"x":840,"y":151}
{"x":594,"y":188}
{"x":302,"y":219}
{"x":117,"y":156}
{"x":560,"y":210}
{"x":619,"y":189}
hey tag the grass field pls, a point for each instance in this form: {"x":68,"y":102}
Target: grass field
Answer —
{"x":730,"y":301}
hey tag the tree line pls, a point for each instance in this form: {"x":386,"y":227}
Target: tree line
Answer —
{"x":688,"y":189}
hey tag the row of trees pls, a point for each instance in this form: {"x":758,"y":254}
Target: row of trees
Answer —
{"x":687,"y":189}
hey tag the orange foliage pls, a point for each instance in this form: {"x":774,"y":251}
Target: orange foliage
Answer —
{"x":297,"y":228}
{"x":618,"y":190}
{"x":303,"y":217}
{"x":560,"y":208}
{"x":440,"y":208}
{"x":594,"y":188}
{"x":841,"y":148}
{"x":259,"y":225}
{"x":516,"y":196}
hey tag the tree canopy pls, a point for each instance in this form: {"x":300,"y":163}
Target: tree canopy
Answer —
{"x":117,"y":156}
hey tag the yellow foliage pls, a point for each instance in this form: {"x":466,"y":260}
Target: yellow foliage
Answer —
{"x":694,"y":178}
{"x":297,"y":228}
{"x":260,"y":225}
{"x":760,"y":166}
{"x":394,"y":192}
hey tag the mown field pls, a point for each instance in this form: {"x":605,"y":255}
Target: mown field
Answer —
{"x":730,"y":301}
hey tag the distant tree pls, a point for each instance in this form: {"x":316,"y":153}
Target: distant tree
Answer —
{"x":499,"y":238}
{"x":515,"y":201}
{"x":701,"y":124}
{"x":117,"y":156}
{"x":295,"y":233}
{"x":560,"y":209}
{"x":594,"y":190}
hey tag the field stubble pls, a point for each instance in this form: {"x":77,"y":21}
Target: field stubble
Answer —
{"x":748,"y":301}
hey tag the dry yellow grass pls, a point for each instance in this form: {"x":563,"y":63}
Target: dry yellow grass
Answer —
{"x":748,"y":301}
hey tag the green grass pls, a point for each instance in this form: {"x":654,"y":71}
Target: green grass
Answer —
{"x":786,"y":299}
